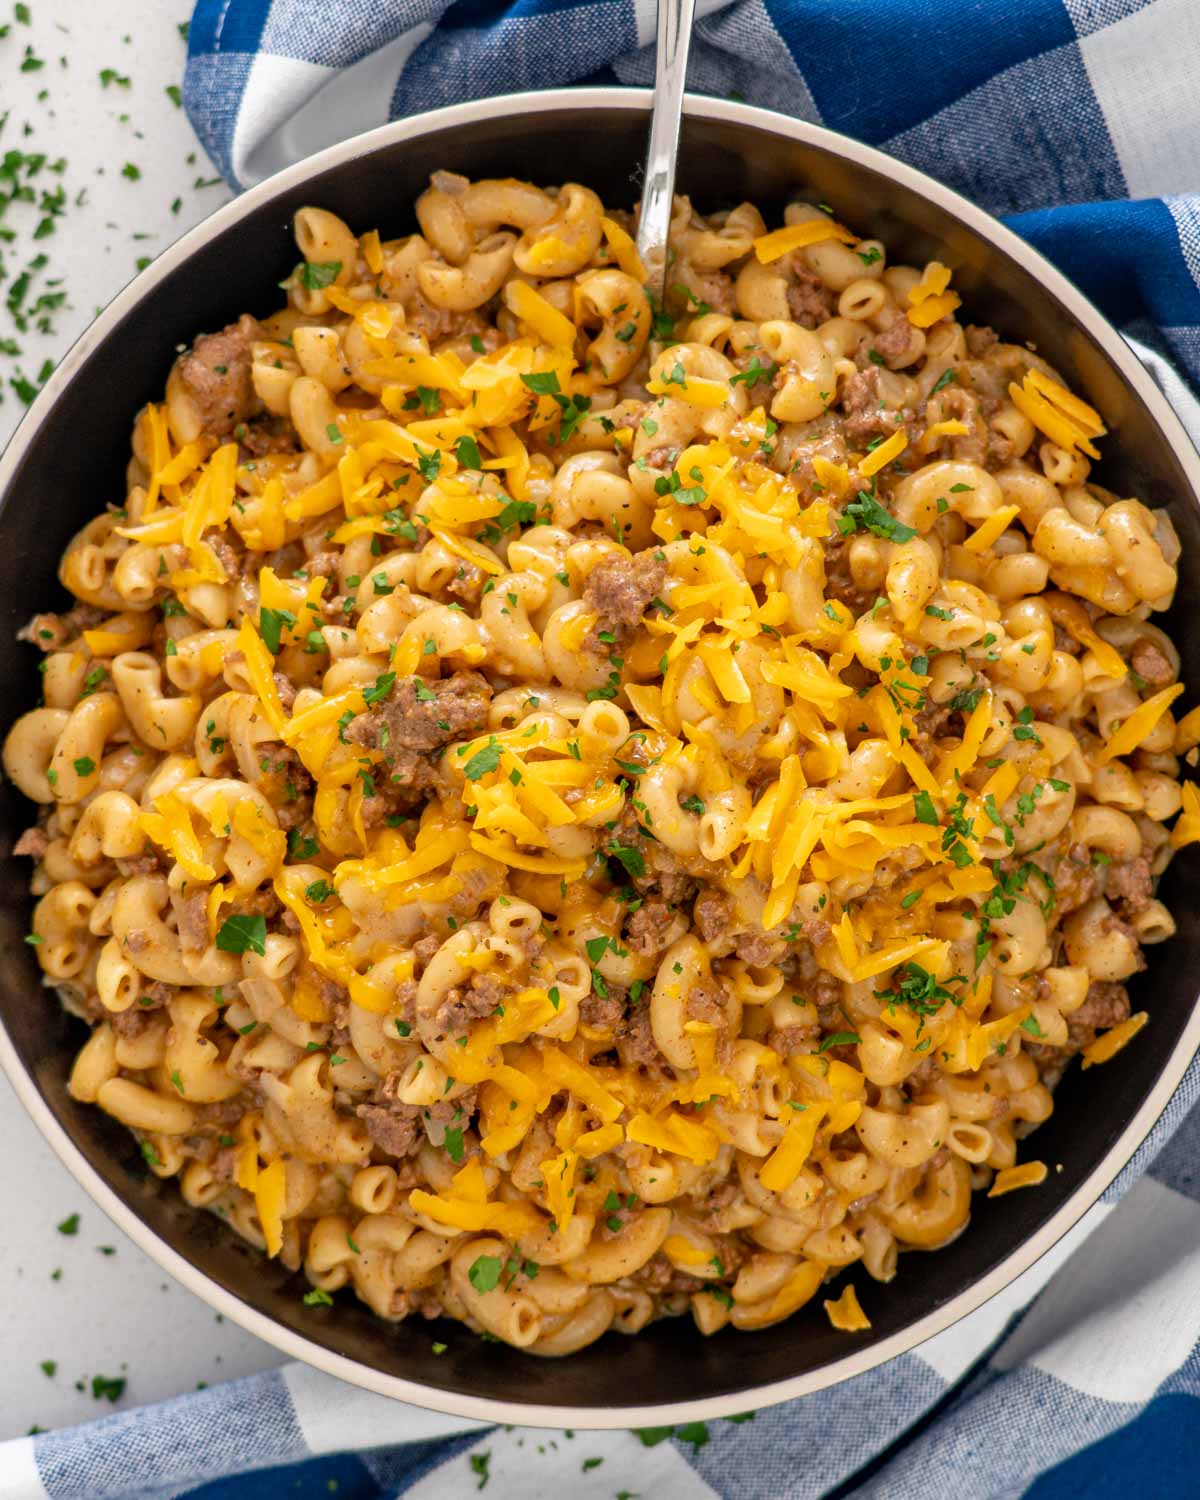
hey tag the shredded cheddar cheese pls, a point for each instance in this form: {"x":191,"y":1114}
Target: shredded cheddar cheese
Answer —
{"x":845,"y":1312}
{"x":880,"y":457}
{"x":565,"y":784}
{"x":1008,"y":1179}
{"x":1106,"y":1046}
{"x":780,"y":242}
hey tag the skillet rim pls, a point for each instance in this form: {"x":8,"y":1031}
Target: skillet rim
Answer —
{"x":1086,"y":1192}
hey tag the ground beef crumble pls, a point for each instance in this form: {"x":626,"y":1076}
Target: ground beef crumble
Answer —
{"x":866,"y":417}
{"x":393,"y":1128}
{"x":457,"y":709}
{"x":1074,"y":879}
{"x":603,"y":1012}
{"x":464,"y":1005}
{"x":1151,"y":663}
{"x":647,"y":928}
{"x":810,"y":301}
{"x":1105,"y":1005}
{"x":216,"y":375}
{"x":33,"y":842}
{"x":1130,"y":884}
{"x":618,"y":590}
{"x":893,"y":343}
{"x":635,"y":1042}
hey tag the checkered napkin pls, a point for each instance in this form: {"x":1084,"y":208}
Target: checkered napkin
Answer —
{"x":1080,"y":119}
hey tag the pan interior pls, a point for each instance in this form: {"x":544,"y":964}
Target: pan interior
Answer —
{"x":75,"y":462}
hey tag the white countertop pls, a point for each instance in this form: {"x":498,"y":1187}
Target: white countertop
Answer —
{"x":110,"y":1312}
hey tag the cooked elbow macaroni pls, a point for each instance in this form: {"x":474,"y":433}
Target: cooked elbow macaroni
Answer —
{"x":561,"y":811}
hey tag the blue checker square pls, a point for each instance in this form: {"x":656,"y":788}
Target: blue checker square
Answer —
{"x":876,"y":68}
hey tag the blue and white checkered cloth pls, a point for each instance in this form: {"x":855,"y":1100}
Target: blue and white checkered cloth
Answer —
{"x":1080,"y":120}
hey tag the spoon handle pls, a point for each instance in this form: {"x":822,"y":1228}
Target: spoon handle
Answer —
{"x":674,"y":35}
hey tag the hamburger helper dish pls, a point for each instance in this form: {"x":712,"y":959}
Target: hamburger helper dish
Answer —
{"x":561,"y":811}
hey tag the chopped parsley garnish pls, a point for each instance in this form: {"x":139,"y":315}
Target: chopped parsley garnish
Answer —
{"x":631,"y":859}
{"x":316,"y":275}
{"x":300,"y":846}
{"x":542,"y":383}
{"x":918,"y":991}
{"x":923,"y":808}
{"x":573,"y":410}
{"x":429,"y":464}
{"x":1022,"y":730}
{"x":959,"y":828}
{"x":484,"y":1272}
{"x":753,"y":373}
{"x":241,"y":934}
{"x":271,"y":624}
{"x":966,"y":701}
{"x":382,"y":687}
{"x":840,"y":1039}
{"x":483,"y":761}
{"x":515,"y":513}
{"x":866,"y":512}
{"x":424,"y":397}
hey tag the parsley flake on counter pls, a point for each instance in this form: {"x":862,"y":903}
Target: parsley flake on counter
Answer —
{"x":108,"y":1387}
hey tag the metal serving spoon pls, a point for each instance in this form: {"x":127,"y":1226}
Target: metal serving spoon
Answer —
{"x":674,"y":36}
